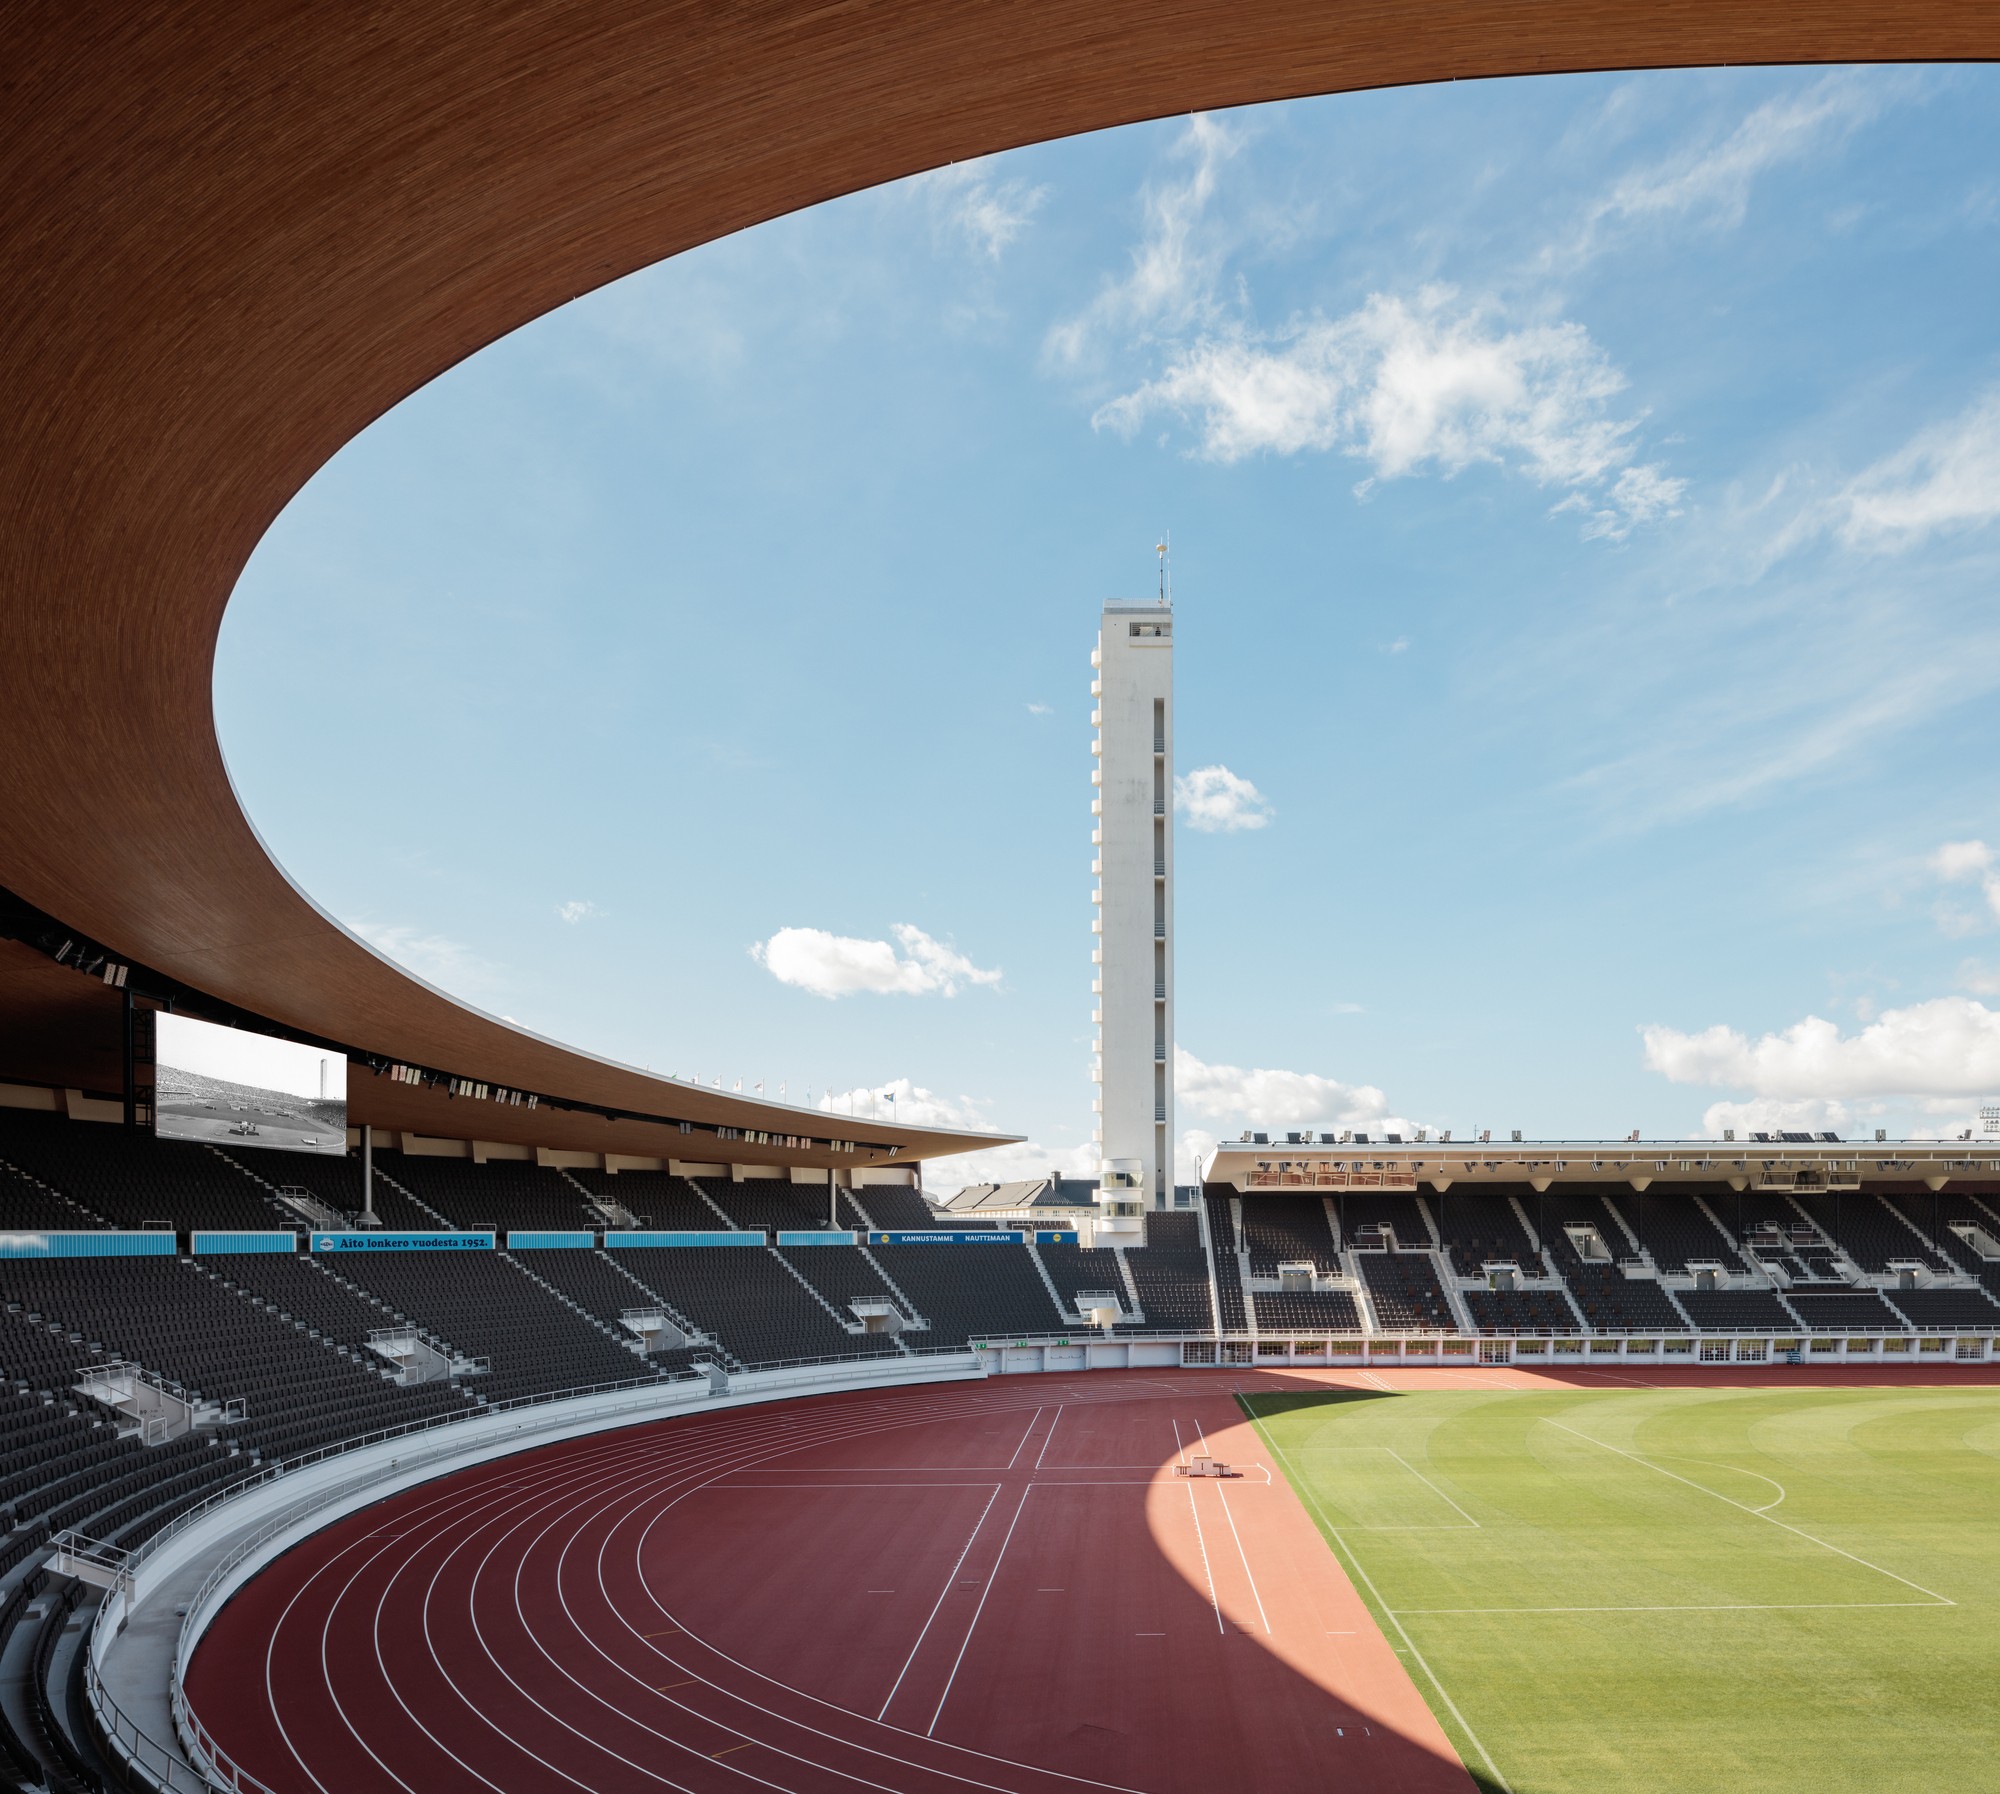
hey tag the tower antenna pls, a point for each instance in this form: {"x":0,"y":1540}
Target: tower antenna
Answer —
{"x":1160,"y":548}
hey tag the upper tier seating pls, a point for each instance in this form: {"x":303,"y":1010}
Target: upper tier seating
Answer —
{"x":1074,"y":1269}
{"x":843,"y":1275}
{"x":1283,"y":1228}
{"x":769,"y":1203}
{"x":657,"y":1200}
{"x":1171,"y":1272}
{"x":27,"y":1203}
{"x":1406,"y":1293}
{"x":1670,"y":1225}
{"x":897,"y":1208}
{"x":1936,"y":1212}
{"x":1363,"y":1215}
{"x":502,"y":1194}
{"x":1479,"y":1227}
{"x":1868,"y":1230}
{"x":130,"y":1179}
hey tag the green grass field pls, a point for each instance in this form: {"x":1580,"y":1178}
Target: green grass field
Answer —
{"x":1758,"y":1591}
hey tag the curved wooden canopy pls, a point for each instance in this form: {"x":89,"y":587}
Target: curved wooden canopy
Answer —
{"x":234,"y":234}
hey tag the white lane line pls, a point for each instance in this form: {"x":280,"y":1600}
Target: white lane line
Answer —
{"x":1025,"y":1437}
{"x":950,"y":1582}
{"x":1180,"y":1450}
{"x":1724,"y":1607}
{"x":1755,"y":1513}
{"x":1409,"y":1644}
{"x":1222,"y":1497}
{"x":992,"y":1576}
{"x":1434,"y":1489}
{"x":1044,"y":1452}
{"x":1205,"y":1570}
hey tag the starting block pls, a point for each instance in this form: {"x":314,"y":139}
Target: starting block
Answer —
{"x":1204,"y":1465}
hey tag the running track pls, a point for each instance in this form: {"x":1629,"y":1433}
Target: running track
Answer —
{"x":998,"y":1586}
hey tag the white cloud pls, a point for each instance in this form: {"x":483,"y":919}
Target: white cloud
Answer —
{"x":1714,"y":181}
{"x":1264,"y":1098}
{"x":902,"y":1100}
{"x":1960,"y":862}
{"x":1215,"y":800}
{"x":1948,"y":1047}
{"x":1947,"y":477}
{"x":838,"y":965}
{"x":1173,"y":272}
{"x":1039,"y":709}
{"x":986,"y":214}
{"x":1765,"y":1114}
{"x":576,"y":910}
{"x":1401,"y":645}
{"x":436,"y":958}
{"x":1409,"y":386}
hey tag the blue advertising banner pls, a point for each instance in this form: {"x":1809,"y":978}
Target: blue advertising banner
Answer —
{"x":649,"y":1240}
{"x":948,"y":1236}
{"x":544,"y":1242}
{"x":87,"y":1245}
{"x":821,"y":1238}
{"x":1055,"y":1236}
{"x":216,"y":1244}
{"x":385,"y":1241}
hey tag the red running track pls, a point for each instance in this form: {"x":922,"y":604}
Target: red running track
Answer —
{"x":932,"y":1590}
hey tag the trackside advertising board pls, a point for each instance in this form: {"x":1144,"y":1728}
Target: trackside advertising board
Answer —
{"x":613,"y":1241}
{"x":1055,"y":1236}
{"x":947,"y":1236}
{"x":402,"y":1242}
{"x":148,"y":1244}
{"x":211,"y":1245}
{"x":560,"y":1240}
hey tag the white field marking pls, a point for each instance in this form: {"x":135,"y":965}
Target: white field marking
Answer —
{"x":1717,"y":1464}
{"x":1266,"y":1468}
{"x":1723,"y":1607}
{"x":1409,"y":1645}
{"x":965,"y":1644}
{"x":1205,"y":1570}
{"x":1758,"y":1513}
{"x":1025,"y":1437}
{"x":1377,"y":1381}
{"x":1044,"y":1452}
{"x":1180,"y":1450}
{"x":1434,"y":1489}
{"x":1615,"y":1377}
{"x":1222,"y":1497}
{"x":950,"y":1582}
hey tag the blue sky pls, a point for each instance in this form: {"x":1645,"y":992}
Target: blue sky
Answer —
{"x":1583,"y":494}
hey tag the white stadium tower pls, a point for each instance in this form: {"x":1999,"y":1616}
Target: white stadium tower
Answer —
{"x":1133,"y":841}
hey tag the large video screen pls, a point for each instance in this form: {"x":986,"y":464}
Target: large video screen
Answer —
{"x":231,"y":1087}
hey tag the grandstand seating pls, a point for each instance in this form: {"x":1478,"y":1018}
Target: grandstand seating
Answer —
{"x":1406,"y":1293}
{"x":1480,"y":1226}
{"x":1952,"y":1308}
{"x":1521,"y":1311}
{"x":127,"y":1178}
{"x":896,"y":1208}
{"x":1935,"y":1214}
{"x":770,"y":1203}
{"x":1614,"y":1303}
{"x":1673,"y":1229}
{"x":746,"y":1297}
{"x":333,"y":1182}
{"x":1222,"y":1236}
{"x":1868,"y":1230}
{"x":1845,"y":1311}
{"x":973,"y":1292}
{"x":656,"y":1200}
{"x":1328,"y":1311}
{"x":1283,"y":1228}
{"x":845,"y":1274}
{"x":1171,"y":1273}
{"x":500,"y":1195}
{"x":1736,"y":1310}
{"x":1362,"y":1215}
{"x":1073,"y":1269}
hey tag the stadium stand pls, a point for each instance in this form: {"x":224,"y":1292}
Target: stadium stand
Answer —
{"x":504,"y":1194}
{"x":1673,"y":1230}
{"x":27,"y":1202}
{"x":1946,"y":1308}
{"x":1281,"y":1228}
{"x":1736,"y":1310}
{"x":1480,"y":1226}
{"x":654,"y":1199}
{"x":335,"y":1183}
{"x":842,"y":1275}
{"x":769,"y":1203}
{"x":1521,"y":1311}
{"x":130,"y":1179}
{"x":747,"y":1298}
{"x":1171,"y":1274}
{"x":1222,"y":1236}
{"x":1364,"y":1217}
{"x":594,"y":1283}
{"x":1406,"y":1293}
{"x":1306,"y":1311}
{"x":1845,"y":1311}
{"x":1074,"y":1269}
{"x":1611,"y":1301}
{"x":1868,"y":1230}
{"x":973,"y":1292}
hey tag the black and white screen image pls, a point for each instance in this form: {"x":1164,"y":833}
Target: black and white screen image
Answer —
{"x":236,"y":1088}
